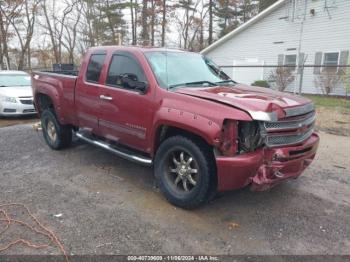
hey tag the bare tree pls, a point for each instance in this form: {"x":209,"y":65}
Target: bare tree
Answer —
{"x":71,"y":32}
{"x":281,"y":77}
{"x":23,"y":25}
{"x":8,"y":11}
{"x":55,"y":25}
{"x":164,"y":10}
{"x":327,"y":81}
{"x":144,"y":23}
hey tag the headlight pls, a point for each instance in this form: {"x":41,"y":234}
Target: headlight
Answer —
{"x":8,"y":99}
{"x":249,"y":136}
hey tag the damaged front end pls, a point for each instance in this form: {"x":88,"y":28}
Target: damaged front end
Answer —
{"x":264,"y":153}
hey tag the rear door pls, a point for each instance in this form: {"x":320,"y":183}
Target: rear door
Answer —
{"x":126,"y":114}
{"x":87,"y":91}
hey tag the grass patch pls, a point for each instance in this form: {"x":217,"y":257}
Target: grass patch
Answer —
{"x":330,"y":102}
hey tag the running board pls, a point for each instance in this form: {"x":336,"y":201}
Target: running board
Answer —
{"x":124,"y":154}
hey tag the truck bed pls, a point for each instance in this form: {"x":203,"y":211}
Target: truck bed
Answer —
{"x":60,"y":86}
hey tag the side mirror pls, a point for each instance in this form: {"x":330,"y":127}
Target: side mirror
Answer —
{"x":131,"y":81}
{"x":141,"y":86}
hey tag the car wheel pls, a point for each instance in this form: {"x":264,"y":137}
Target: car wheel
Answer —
{"x":57,"y":136}
{"x":184,"y":169}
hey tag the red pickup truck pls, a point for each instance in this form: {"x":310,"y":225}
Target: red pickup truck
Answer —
{"x":177,"y":111}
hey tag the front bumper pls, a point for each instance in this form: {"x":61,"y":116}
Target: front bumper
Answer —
{"x":265,"y":167}
{"x":15,"y":109}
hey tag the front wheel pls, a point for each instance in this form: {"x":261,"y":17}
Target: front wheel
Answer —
{"x":57,"y":136}
{"x":185,"y":170}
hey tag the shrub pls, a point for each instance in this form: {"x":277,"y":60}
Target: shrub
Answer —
{"x":261,"y":83}
{"x":281,"y":77}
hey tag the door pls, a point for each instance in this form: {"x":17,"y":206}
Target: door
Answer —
{"x":126,"y":113}
{"x":87,"y":92}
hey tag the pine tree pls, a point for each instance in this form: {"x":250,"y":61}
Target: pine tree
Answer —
{"x":227,"y":13}
{"x":263,"y":4}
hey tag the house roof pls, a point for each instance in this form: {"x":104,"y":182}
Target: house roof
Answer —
{"x":239,"y":29}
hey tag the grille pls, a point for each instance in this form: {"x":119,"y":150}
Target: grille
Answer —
{"x":27,"y":101}
{"x":29,"y":111}
{"x":293,"y":124}
{"x":289,"y":132}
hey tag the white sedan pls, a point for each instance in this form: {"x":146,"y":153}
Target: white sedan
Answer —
{"x":16,"y":95}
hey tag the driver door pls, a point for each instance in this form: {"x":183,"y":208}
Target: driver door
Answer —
{"x":125,"y":112}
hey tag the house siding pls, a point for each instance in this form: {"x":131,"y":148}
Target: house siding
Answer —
{"x":327,"y":31}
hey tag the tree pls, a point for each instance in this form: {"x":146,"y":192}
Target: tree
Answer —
{"x":345,"y":77}
{"x":164,"y":9}
{"x":186,"y":22}
{"x":112,"y":21}
{"x":248,"y":9}
{"x":23,"y":24}
{"x":327,"y":81}
{"x":144,"y":23}
{"x":210,"y":38}
{"x":71,"y":32}
{"x":281,"y":77}
{"x":263,"y":4}
{"x":8,"y":11}
{"x":227,"y":13}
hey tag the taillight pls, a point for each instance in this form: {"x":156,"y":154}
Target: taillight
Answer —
{"x":228,"y":146}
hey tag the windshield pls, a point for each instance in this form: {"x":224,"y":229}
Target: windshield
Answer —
{"x":14,"y":80}
{"x":178,"y":68}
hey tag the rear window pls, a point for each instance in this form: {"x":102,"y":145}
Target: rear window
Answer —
{"x":93,"y":71}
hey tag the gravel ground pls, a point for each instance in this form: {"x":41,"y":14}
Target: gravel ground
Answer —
{"x":110,"y":206}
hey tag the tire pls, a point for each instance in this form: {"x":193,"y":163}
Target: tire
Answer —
{"x":195,"y":168}
{"x":57,"y":136}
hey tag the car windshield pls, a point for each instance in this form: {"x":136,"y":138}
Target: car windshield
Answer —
{"x":176,"y":69}
{"x":14,"y":80}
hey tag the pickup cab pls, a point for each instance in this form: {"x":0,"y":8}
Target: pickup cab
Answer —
{"x":178,"y":112}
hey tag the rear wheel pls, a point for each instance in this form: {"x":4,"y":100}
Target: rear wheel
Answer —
{"x":57,"y":136}
{"x":184,"y":169}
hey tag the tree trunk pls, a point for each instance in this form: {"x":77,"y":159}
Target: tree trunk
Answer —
{"x":153,"y":17}
{"x":132,"y":22}
{"x":144,"y":34}
{"x":3,"y":33}
{"x":164,"y":23}
{"x":210,"y":39}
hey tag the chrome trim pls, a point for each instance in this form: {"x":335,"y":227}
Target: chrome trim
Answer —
{"x":300,"y":110}
{"x":263,"y":116}
{"x":37,"y":74}
{"x":298,"y":138}
{"x":290,"y":124}
{"x":138,"y":159}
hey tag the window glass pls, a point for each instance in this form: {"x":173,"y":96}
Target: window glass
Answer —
{"x":330,"y":59}
{"x":94,"y":68}
{"x":14,"y":80}
{"x":124,"y":66}
{"x":290,"y":60}
{"x":174,"y":68}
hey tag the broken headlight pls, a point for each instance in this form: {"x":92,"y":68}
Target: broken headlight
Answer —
{"x":250,"y":136}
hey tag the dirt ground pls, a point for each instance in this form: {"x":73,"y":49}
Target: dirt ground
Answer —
{"x":333,"y":121}
{"x":11,"y":121}
{"x":98,"y":203}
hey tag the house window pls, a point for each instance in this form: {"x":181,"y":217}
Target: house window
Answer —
{"x":330,"y":62}
{"x":290,"y":61}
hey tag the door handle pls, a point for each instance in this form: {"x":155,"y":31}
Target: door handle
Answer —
{"x":103,"y":97}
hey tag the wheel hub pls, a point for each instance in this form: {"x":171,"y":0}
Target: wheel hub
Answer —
{"x":183,"y":171}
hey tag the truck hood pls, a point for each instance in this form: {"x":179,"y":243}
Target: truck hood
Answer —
{"x":16,"y":91}
{"x":261,"y":103}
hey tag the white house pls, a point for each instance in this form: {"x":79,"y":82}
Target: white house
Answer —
{"x":290,"y":32}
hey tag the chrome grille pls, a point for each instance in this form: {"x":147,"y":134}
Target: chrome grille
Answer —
{"x":289,"y":132}
{"x":27,"y":101}
{"x":288,"y":139}
{"x":291,"y":124}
